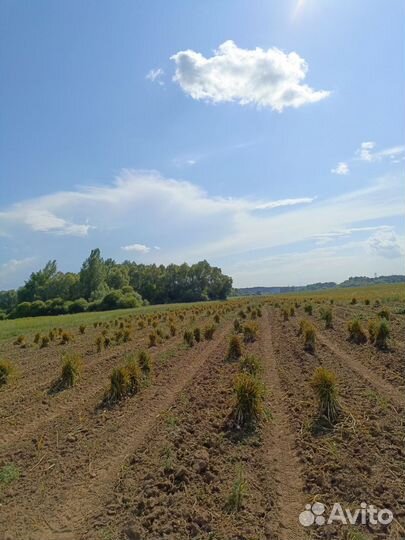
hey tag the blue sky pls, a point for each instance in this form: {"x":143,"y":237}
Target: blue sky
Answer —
{"x":265,"y":136}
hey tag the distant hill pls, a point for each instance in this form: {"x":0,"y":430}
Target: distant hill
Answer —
{"x":358,"y":281}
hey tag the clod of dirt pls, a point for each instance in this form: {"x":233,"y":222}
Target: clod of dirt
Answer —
{"x":132,"y":532}
{"x":201,"y":460}
{"x":181,"y":474}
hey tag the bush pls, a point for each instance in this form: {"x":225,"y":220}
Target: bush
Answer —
{"x":6,"y":372}
{"x":209,"y":332}
{"x":248,"y":407}
{"x":250,"y":364}
{"x":71,"y":370}
{"x":250,"y":332}
{"x":324,"y":384}
{"x":356,"y":333}
{"x":78,"y":306}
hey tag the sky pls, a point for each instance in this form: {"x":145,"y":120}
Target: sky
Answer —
{"x":267,"y":137}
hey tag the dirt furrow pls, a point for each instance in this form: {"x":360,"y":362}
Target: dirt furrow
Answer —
{"x":388,"y":391}
{"x":65,"y":508}
{"x":280,"y":444}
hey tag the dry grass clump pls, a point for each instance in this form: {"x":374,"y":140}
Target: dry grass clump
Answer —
{"x":237,"y":326}
{"x":152,"y":339}
{"x":119,"y":385}
{"x":44,"y":342}
{"x":6,"y":372}
{"x":285,"y":315}
{"x":72,"y":366}
{"x":37,"y":337}
{"x":326,"y":315}
{"x":356,"y":333}
{"x":145,"y":363}
{"x":65,"y":338}
{"x":248,"y":406}
{"x":250,"y":332}
{"x":20,"y":340}
{"x":197,"y":334}
{"x":99,"y":343}
{"x":188,"y":338}
{"x":234,"y":349}
{"x":82,"y":329}
{"x":209,"y":332}
{"x":379,"y":333}
{"x":308,"y":309}
{"x":307,"y":330}
{"x":324,"y":384}
{"x":172,"y":330}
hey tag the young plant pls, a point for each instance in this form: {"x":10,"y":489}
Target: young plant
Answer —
{"x":234,"y":349}
{"x":239,"y":489}
{"x":250,"y":364}
{"x":324,"y":384}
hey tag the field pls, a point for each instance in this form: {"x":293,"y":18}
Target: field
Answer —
{"x":218,"y":431}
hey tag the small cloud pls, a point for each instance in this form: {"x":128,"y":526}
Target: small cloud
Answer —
{"x":365,"y":151}
{"x":265,"y":78}
{"x":138,"y":248}
{"x":385,"y":243}
{"x":155,"y":75}
{"x":342,"y":168}
{"x":184,"y":162}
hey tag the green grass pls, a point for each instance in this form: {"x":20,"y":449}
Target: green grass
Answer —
{"x":12,"y":328}
{"x":8,"y":474}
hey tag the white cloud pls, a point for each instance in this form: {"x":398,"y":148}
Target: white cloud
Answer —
{"x":385,"y":243}
{"x":12,"y":269}
{"x":139,"y":248}
{"x":155,"y":75}
{"x":341,"y":168}
{"x":366,"y":152}
{"x":266,"y":78}
{"x":192,"y":224}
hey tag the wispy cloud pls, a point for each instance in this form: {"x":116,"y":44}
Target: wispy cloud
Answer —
{"x":266,"y":78}
{"x":155,"y":75}
{"x":367,"y":152}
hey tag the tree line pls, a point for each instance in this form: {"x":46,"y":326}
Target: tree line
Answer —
{"x":105,"y":284}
